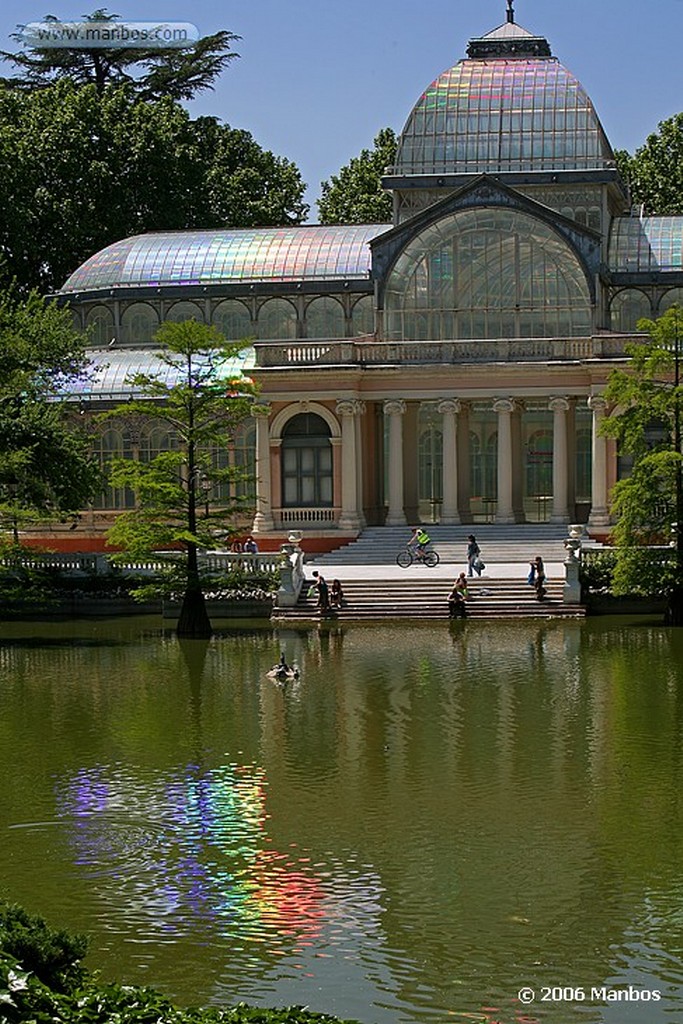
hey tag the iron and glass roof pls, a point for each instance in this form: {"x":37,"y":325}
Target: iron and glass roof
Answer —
{"x":110,"y":371}
{"x":646,"y":244}
{"x":230,"y":256}
{"x":497,"y":115}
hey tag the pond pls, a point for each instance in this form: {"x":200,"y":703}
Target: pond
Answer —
{"x":429,"y":820}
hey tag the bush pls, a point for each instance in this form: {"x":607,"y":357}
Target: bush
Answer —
{"x":47,"y":985}
{"x":597,"y":573}
{"x":53,"y":956}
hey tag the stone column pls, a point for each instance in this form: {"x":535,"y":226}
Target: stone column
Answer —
{"x":599,"y":515}
{"x":360,"y":462}
{"x":560,"y":509}
{"x":263,"y":520}
{"x":504,"y":407}
{"x":348,"y":519}
{"x":395,"y":410}
{"x":449,"y":409}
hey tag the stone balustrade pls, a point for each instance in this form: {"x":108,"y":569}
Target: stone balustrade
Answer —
{"x":370,"y":352}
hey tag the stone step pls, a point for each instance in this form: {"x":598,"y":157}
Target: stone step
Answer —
{"x":382,"y":599}
{"x":379,"y":545}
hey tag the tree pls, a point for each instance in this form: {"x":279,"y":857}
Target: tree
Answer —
{"x":178,"y":73}
{"x":202,"y":404}
{"x":648,"y":398}
{"x":655,"y":173}
{"x":355,"y":195}
{"x":79,"y":170}
{"x":46,"y":469}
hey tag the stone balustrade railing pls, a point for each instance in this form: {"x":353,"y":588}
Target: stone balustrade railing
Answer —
{"x":370,"y":352}
{"x":86,"y":564}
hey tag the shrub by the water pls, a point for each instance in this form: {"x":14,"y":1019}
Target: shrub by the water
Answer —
{"x":42,"y":981}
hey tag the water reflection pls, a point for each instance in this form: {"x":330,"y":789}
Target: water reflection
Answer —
{"x":429,"y":819}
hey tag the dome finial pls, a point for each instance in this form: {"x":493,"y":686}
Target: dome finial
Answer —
{"x":511,"y":12}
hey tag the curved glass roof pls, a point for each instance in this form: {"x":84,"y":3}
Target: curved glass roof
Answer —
{"x":513,"y":114}
{"x":111,"y":368}
{"x":229,"y":256}
{"x":646,"y":243}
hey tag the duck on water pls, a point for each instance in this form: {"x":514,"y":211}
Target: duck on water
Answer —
{"x":281,"y":672}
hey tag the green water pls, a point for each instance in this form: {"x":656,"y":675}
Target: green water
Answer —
{"x":430,"y":819}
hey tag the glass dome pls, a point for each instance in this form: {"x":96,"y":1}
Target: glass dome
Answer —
{"x":497,"y":115}
{"x":309,"y":252}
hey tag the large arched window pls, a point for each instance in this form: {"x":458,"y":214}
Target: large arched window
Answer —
{"x":306,"y":462}
{"x":325,"y":318}
{"x":181,"y":311}
{"x":627,"y":308}
{"x":139,"y":323}
{"x":674,"y":297}
{"x":363,"y":315}
{"x":487,"y":273}
{"x":233,"y":320}
{"x":100,"y":326}
{"x":114,"y":443}
{"x":277,"y":320}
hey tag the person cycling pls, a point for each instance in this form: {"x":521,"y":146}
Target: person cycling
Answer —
{"x":419,"y":541}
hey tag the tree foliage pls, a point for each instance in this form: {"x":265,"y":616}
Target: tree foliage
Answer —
{"x":79,"y":170}
{"x":46,"y":468}
{"x":655,"y":173}
{"x":648,"y":404}
{"x":185,"y":495}
{"x":176,"y":73}
{"x":355,"y":195}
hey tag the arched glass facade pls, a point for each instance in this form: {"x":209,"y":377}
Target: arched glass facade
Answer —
{"x":627,"y":308}
{"x":277,"y":319}
{"x":674,"y":297}
{"x":233,"y":320}
{"x":100,"y":322}
{"x":363,"y":316}
{"x":139,"y":323}
{"x":181,"y":311}
{"x":487,"y":273}
{"x":325,"y":318}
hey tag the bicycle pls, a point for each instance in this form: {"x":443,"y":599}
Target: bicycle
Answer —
{"x":405,"y":558}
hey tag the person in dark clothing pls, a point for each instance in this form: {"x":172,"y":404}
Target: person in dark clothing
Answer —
{"x":473,"y":553}
{"x":539,"y":581}
{"x":323,"y":592}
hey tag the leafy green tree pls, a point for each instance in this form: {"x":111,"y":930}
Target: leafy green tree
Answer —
{"x":177,"y":73}
{"x":648,"y":400}
{"x":202,"y":405}
{"x":655,"y":173}
{"x":46,"y":469}
{"x":355,"y":195}
{"x":79,"y":170}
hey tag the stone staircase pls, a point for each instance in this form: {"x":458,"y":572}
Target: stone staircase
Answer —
{"x":379,"y":545}
{"x":379,"y":599}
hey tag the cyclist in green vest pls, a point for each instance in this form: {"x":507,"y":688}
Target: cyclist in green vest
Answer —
{"x":419,"y":541}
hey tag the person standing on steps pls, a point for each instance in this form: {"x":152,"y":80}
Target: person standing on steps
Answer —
{"x":473,"y":560}
{"x":323,"y":592}
{"x":539,"y":581}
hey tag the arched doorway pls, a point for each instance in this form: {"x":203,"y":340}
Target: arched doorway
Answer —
{"x":306,"y":462}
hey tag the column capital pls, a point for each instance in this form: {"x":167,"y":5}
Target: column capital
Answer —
{"x":597,"y":403}
{"x":261,"y":409}
{"x":449,"y":407}
{"x":395,"y":407}
{"x":559,"y":404}
{"x":350,"y":407}
{"x":504,"y":405}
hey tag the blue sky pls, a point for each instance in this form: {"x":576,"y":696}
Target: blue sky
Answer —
{"x":317,"y":79}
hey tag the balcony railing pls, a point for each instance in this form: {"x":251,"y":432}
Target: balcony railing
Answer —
{"x":370,"y":352}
